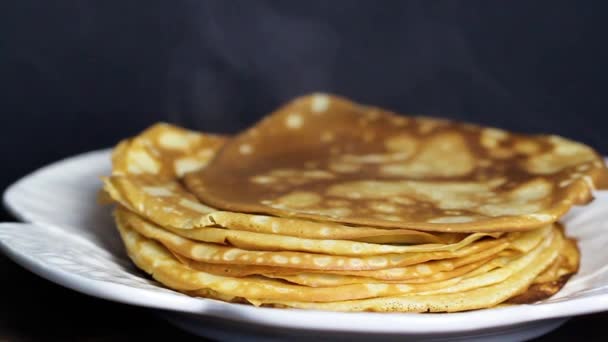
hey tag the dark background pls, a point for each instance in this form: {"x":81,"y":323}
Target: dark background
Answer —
{"x":80,"y":75}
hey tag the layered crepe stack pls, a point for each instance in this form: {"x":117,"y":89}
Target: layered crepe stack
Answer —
{"x":327,"y":204}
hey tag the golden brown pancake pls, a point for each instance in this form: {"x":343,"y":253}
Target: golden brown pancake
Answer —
{"x":554,"y":277}
{"x":330,"y":205}
{"x":146,"y":179}
{"x":328,"y":159}
{"x":479,"y":290}
{"x":219,"y":254}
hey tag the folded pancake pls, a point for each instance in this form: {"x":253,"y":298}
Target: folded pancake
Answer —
{"x":328,"y":159}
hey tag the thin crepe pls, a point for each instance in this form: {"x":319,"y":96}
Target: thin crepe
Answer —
{"x":328,"y":159}
{"x":158,"y":261}
{"x":146,"y":179}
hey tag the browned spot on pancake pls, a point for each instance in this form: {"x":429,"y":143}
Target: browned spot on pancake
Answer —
{"x":541,"y":291}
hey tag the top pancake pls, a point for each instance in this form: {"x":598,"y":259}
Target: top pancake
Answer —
{"x":146,"y":178}
{"x":328,"y":159}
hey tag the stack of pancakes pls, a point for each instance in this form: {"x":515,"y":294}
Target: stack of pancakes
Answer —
{"x":327,"y":204}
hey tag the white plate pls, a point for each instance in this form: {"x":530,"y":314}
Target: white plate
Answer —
{"x":71,"y":241}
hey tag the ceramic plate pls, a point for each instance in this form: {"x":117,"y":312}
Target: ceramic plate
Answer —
{"x":70,"y":240}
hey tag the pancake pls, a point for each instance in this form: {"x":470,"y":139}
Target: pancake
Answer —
{"x":275,"y":242}
{"x":328,"y":159}
{"x":554,"y":277}
{"x":218,"y":254}
{"x":145,"y":179}
{"x":168,"y":204}
{"x":477,"y":298}
{"x":270,"y":242}
{"x":165,"y":152}
{"x":330,"y":280}
{"x":421,"y":272}
{"x":158,"y":261}
{"x":326,"y":204}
